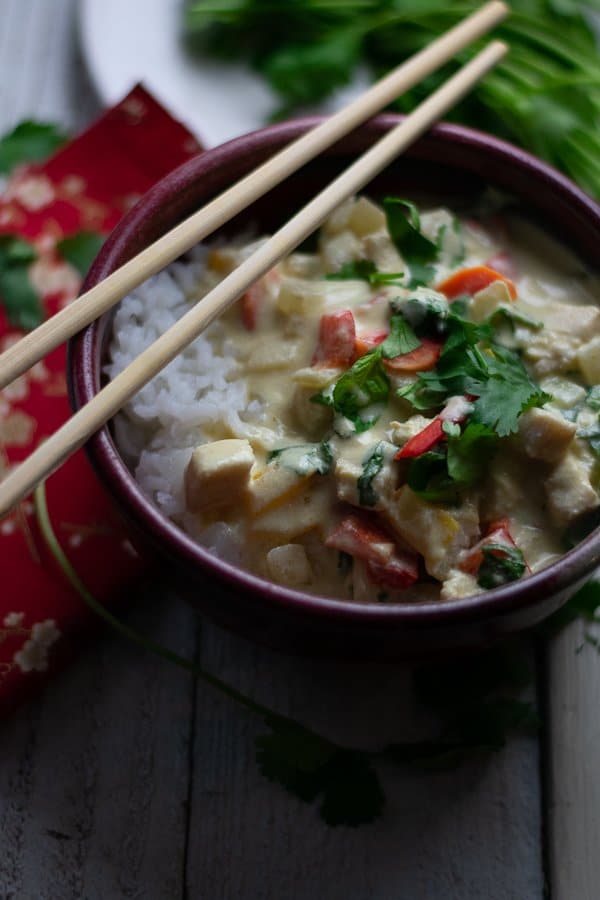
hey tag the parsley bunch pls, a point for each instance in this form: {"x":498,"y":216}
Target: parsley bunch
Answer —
{"x":545,"y":95}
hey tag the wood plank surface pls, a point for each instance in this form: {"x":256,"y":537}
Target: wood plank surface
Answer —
{"x":573,"y":695}
{"x":124,"y":780}
{"x":470,"y":833}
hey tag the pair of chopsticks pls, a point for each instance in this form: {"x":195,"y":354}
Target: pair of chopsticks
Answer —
{"x":34,"y":346}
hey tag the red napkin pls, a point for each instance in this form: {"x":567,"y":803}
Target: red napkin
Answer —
{"x":86,"y":186}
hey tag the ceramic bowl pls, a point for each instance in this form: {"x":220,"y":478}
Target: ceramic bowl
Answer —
{"x":449,"y":162}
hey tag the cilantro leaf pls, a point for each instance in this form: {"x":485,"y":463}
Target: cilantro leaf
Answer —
{"x":400,"y":340}
{"x":593,"y":397}
{"x":501,"y":564}
{"x":364,"y":270}
{"x":371,"y":467}
{"x":18,"y":296}
{"x":29,"y":142}
{"x":428,"y":477}
{"x":425,"y":310}
{"x":469,"y":453}
{"x":363,"y":385}
{"x":592,"y":436}
{"x":305,"y":459}
{"x":81,"y":249}
{"x":496,"y":378}
{"x":404,"y":226}
{"x":506,"y":392}
{"x":514,"y":317}
{"x":310,"y":766}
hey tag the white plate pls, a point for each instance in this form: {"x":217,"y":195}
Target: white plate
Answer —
{"x":126,"y":41}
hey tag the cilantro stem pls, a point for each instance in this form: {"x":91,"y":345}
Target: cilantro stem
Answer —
{"x":53,"y":545}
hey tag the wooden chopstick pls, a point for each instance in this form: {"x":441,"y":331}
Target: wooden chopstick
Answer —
{"x":74,"y":433}
{"x":89,"y":306}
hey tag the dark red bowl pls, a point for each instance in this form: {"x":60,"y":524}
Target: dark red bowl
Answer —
{"x":450,"y":162}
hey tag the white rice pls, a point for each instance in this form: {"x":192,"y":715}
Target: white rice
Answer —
{"x":158,"y":429}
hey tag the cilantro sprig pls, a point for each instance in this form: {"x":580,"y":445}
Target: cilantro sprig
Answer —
{"x":404,"y":226}
{"x":372,"y":465}
{"x":365,"y":270}
{"x":501,"y":564}
{"x":359,"y":392}
{"x":472,"y":363}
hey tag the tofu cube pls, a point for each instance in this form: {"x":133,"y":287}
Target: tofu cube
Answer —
{"x":432,"y":531}
{"x":458,"y":585}
{"x":309,"y":298}
{"x":275,"y":485}
{"x":270,"y":357}
{"x":217,"y":474}
{"x":569,"y":491}
{"x":288,"y":564}
{"x":380,"y":248}
{"x":366,"y":217}
{"x":588,"y":360}
{"x":340,"y":249}
{"x":487,"y":301}
{"x":303,"y":512}
{"x":545,"y":435}
{"x":346,"y":481}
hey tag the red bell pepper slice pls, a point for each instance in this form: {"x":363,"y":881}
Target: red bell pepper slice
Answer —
{"x":497,"y":533}
{"x":469,"y":281}
{"x":424,"y":441}
{"x":366,"y":342}
{"x":400,"y":572}
{"x":337,"y":337}
{"x":361,"y":538}
{"x":456,"y":410}
{"x":422,"y":359}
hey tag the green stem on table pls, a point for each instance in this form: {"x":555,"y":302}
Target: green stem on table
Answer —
{"x":51,"y":541}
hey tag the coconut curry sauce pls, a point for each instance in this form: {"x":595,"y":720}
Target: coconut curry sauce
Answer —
{"x":423,"y":415}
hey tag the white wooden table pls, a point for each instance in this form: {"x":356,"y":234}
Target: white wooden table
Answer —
{"x":128,"y":780}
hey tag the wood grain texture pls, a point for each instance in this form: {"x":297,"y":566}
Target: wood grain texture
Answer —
{"x":573,"y":782}
{"x":96,"y":776}
{"x":472,"y":833}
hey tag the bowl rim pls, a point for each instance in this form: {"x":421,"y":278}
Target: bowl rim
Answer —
{"x":83,"y":379}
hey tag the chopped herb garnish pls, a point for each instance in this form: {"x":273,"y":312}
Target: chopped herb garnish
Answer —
{"x":514,"y":317}
{"x":425,"y":310}
{"x":404,"y":226}
{"x":493,"y":375}
{"x":371,"y":467}
{"x":591,"y":434}
{"x":363,"y":385}
{"x":305,"y":459}
{"x":438,"y":475}
{"x":18,"y":296}
{"x":500,"y":565}
{"x":365,"y":270}
{"x":593,"y":397}
{"x":400,"y":340}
